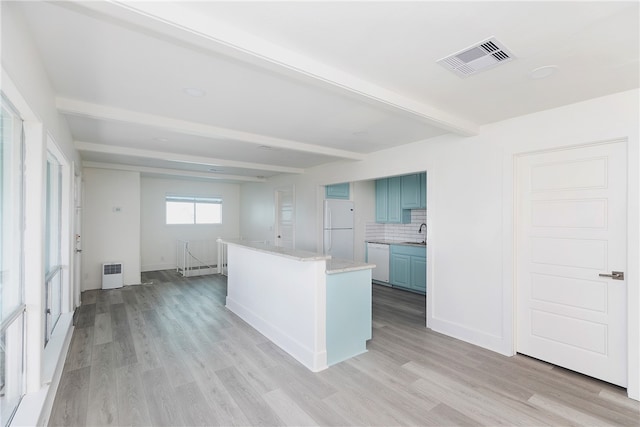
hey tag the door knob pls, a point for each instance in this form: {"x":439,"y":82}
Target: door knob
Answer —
{"x":615,"y":275}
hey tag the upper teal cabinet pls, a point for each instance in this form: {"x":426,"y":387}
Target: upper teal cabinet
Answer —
{"x":382,"y":200}
{"x":423,"y":190}
{"x":414,"y":191}
{"x":388,"y":202}
{"x":337,"y":191}
{"x":396,"y":196}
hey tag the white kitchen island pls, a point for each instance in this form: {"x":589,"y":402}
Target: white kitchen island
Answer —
{"x":315,"y":308}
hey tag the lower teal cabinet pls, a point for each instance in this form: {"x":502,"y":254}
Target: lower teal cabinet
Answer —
{"x":408,"y":267}
{"x":419,"y":273}
{"x":400,"y":270}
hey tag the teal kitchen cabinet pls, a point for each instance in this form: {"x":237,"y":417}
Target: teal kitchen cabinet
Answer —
{"x":414,"y":188}
{"x":400,"y":270}
{"x":337,"y":191}
{"x":423,"y":190}
{"x":408,"y":267}
{"x":388,"y":202}
{"x":382,"y":200}
{"x":395,"y":200}
{"x":418,"y":265}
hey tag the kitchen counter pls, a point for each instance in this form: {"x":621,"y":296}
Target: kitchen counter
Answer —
{"x":396,"y":242}
{"x":315,"y":308}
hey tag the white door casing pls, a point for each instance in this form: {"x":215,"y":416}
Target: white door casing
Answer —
{"x":572,"y":227}
{"x":77,"y":236}
{"x":285,"y":218}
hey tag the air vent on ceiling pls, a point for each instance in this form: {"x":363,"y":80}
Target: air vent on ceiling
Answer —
{"x":476,"y":58}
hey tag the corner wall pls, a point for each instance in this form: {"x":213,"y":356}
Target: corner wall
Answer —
{"x":111,"y":224}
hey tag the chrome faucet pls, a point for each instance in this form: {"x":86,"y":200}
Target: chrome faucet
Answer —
{"x":422,"y":225}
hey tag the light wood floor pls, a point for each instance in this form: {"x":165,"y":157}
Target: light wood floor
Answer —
{"x":169,"y":353}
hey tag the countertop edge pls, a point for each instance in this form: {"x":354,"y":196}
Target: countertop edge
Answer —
{"x":393,"y":242}
{"x":295,"y":254}
{"x":348,"y":266}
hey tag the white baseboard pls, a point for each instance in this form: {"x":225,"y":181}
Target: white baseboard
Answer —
{"x":315,"y":361}
{"x":157,"y":267}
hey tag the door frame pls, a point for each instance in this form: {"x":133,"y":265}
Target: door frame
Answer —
{"x":76,"y":272}
{"x":633,"y":254}
{"x":276,"y":214}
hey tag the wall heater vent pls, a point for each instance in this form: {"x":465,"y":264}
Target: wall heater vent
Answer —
{"x":112,"y":275}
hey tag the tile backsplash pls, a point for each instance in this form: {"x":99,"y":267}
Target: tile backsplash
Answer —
{"x":399,"y":232}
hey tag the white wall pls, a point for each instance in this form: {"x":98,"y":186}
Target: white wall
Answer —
{"x":111,"y":224}
{"x":158,"y":240}
{"x":470,"y":218}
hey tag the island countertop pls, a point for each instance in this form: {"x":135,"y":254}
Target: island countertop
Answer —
{"x":333,"y":265}
{"x":296,"y":254}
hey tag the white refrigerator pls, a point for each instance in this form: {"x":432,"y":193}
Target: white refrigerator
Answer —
{"x":338,"y":228}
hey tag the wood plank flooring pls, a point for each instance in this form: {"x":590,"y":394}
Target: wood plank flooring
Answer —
{"x":168,"y":353}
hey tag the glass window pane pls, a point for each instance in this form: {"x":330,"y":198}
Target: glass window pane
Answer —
{"x":54,"y":303}
{"x":53,"y":249}
{"x":180,"y":213}
{"x":11,"y":294}
{"x":53,"y":225}
{"x":208,"y":213}
{"x":11,"y":369}
{"x":10,"y":211}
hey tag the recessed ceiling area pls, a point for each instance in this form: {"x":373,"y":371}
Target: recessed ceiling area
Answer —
{"x":186,"y":87}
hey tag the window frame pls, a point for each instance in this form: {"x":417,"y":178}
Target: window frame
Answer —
{"x":54,"y":280}
{"x":13,"y":341}
{"x":193,"y":201}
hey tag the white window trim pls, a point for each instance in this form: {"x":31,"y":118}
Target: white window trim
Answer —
{"x":41,"y":382}
{"x":183,"y":198}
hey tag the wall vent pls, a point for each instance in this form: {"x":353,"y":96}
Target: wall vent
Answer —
{"x":112,"y":275}
{"x":479,"y":57}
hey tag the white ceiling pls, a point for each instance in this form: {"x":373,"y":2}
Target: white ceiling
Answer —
{"x":291,"y":85}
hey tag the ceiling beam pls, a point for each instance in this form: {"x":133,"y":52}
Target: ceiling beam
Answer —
{"x":180,"y":158}
{"x":103,"y":112}
{"x":171,"y":19}
{"x":172,"y":172}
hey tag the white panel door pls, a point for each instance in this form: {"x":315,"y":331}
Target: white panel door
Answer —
{"x":571,"y":228}
{"x":285,"y":218}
